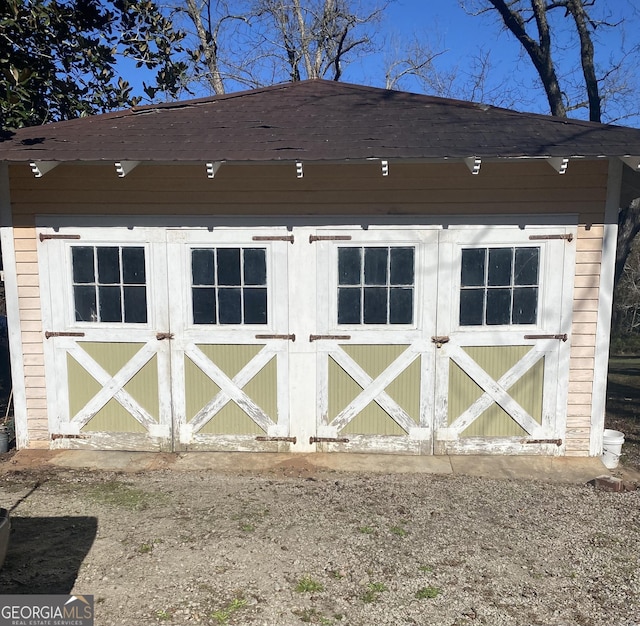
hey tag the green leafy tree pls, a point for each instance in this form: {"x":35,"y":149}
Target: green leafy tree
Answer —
{"x":61,"y":59}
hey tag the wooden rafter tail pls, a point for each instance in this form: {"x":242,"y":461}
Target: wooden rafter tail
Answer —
{"x":125,"y":167}
{"x":559,"y":164}
{"x":473,"y":163}
{"x":40,"y":168}
{"x":632,"y":161}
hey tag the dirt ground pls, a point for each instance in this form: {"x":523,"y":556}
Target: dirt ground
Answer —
{"x":291,"y":546}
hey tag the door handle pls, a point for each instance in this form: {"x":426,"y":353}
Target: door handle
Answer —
{"x":161,"y":336}
{"x":439,"y":340}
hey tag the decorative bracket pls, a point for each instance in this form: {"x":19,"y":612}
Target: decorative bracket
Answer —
{"x":632,"y":161}
{"x":212,"y":168}
{"x":473,"y":163}
{"x":559,"y":164}
{"x":124,"y":167}
{"x":40,"y":168}
{"x":299,"y":169}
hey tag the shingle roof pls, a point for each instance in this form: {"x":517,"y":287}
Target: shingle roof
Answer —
{"x":316,"y":120}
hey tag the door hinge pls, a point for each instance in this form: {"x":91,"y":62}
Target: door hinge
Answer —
{"x":562,"y":337}
{"x":329,"y":337}
{"x":161,"y":336}
{"x":557,"y":442}
{"x":48,"y":334}
{"x":292,"y":440}
{"x":288,"y":238}
{"x":44,"y":237}
{"x":328,"y":440}
{"x":287,"y":337}
{"x":313,"y":238}
{"x":568,"y":237}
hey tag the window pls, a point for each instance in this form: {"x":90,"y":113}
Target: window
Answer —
{"x":229,"y":285}
{"x":499,"y":286}
{"x":109,"y":284}
{"x":375,"y":285}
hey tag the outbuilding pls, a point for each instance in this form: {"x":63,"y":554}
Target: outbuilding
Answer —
{"x":313,"y":266}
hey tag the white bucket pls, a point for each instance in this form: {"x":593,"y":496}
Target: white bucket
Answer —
{"x":611,"y":447}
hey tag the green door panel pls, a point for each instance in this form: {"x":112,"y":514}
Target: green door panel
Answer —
{"x":496,"y":361}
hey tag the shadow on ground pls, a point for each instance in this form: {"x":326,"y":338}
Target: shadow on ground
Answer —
{"x":45,"y":554}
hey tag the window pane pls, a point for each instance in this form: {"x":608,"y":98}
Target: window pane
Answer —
{"x":133,"y":272}
{"x":472,"y":307}
{"x":230,"y":307}
{"x":499,"y":267}
{"x":108,"y":265}
{"x":255,"y":306}
{"x":401,"y":263}
{"x":202,"y":267}
{"x":228,"y":267}
{"x":375,"y":305}
{"x":349,"y":265}
{"x":84,"y":298}
{"x":255,"y":267}
{"x":525,"y":305}
{"x":82,"y":261}
{"x":498,"y":306}
{"x":526,"y":266}
{"x":375,"y":266}
{"x":473,"y":261}
{"x":110,"y":304}
{"x":349,"y":305}
{"x":400,"y":306}
{"x":135,"y":305}
{"x":204,"y":305}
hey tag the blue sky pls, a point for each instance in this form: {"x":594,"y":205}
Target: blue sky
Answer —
{"x":460,"y":37}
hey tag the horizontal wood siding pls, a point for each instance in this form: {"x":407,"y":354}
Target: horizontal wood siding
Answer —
{"x":583,"y":336}
{"x":31,"y":331}
{"x":512,"y":188}
{"x":437,"y":189}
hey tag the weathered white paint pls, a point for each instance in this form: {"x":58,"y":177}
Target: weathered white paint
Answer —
{"x":555,"y":302}
{"x":13,"y":311}
{"x":605,"y":308}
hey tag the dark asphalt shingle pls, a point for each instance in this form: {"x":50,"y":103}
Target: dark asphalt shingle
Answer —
{"x":316,"y":120}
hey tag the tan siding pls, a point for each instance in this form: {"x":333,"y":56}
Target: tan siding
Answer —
{"x":31,"y":328}
{"x":273,"y":190}
{"x":331,"y":189}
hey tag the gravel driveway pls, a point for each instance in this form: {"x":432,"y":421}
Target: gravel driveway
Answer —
{"x":292,"y":547}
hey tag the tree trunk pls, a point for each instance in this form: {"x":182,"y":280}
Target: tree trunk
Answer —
{"x":576,"y":8}
{"x":208,"y":47}
{"x":540,"y":54}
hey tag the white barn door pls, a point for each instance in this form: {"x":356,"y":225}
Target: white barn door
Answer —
{"x":503,"y":322}
{"x":376,"y":304}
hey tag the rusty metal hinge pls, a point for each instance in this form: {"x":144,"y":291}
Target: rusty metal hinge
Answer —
{"x":293,"y":440}
{"x":562,"y":337}
{"x":161,"y":336}
{"x":440,"y":340}
{"x":568,"y":237}
{"x":329,"y":337}
{"x":48,"y":334}
{"x":288,"y":238}
{"x":313,"y":238}
{"x":328,"y":440}
{"x":44,"y":237}
{"x":288,"y":337}
{"x":557,"y":442}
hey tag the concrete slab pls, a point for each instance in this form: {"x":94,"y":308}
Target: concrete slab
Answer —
{"x":577,"y":470}
{"x":554,"y":469}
